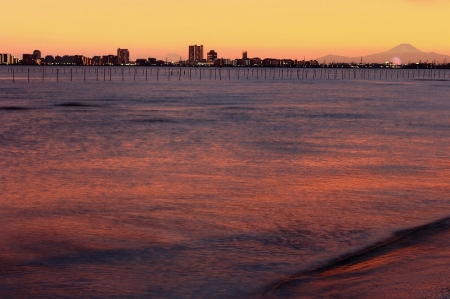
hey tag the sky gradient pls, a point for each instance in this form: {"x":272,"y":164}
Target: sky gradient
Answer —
{"x":278,"y":29}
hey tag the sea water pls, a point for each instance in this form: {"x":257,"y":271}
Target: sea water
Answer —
{"x":223,"y":183}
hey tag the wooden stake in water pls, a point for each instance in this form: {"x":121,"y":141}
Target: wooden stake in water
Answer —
{"x":57,"y":75}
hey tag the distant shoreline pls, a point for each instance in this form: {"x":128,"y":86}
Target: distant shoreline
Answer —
{"x":415,"y":66}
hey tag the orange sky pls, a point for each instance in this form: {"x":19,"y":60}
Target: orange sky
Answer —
{"x":265,"y":28}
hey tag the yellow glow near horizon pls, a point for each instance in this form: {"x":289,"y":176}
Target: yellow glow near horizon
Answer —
{"x":279,"y":29}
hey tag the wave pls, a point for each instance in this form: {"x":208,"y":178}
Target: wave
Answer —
{"x":154,"y":120}
{"x":14,"y":108}
{"x":75,"y":104}
{"x":400,"y":240}
{"x":437,"y":80}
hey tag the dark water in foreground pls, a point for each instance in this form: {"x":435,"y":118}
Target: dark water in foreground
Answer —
{"x":227,"y":188}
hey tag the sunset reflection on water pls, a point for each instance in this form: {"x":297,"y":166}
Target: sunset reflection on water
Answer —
{"x":201,"y":189}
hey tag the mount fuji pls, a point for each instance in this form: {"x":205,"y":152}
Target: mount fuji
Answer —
{"x":406,"y":52}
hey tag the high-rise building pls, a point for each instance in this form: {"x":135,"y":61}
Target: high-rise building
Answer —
{"x":109,"y":60}
{"x":6,"y":59}
{"x":36,"y":54}
{"x":27,"y":59}
{"x":211,"y":56}
{"x":123,"y":55}
{"x":244,"y":55}
{"x":97,"y":60}
{"x":195,"y":53}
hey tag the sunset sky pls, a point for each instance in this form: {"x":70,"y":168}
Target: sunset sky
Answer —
{"x":278,"y":29}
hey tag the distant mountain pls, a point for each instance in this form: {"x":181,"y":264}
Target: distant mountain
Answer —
{"x":405,"y":52}
{"x":404,"y":48}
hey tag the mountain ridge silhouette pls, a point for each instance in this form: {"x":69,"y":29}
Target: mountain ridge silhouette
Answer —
{"x":406,"y":52}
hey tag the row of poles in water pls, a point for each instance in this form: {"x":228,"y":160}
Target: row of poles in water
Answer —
{"x":105,"y":74}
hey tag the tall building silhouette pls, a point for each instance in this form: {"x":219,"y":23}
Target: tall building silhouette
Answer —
{"x":36,"y":54}
{"x":123,"y":56}
{"x":195,"y":53}
{"x":211,"y":56}
{"x":6,"y":59}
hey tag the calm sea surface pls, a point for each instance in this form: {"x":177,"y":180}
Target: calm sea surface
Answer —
{"x":138,"y":186}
